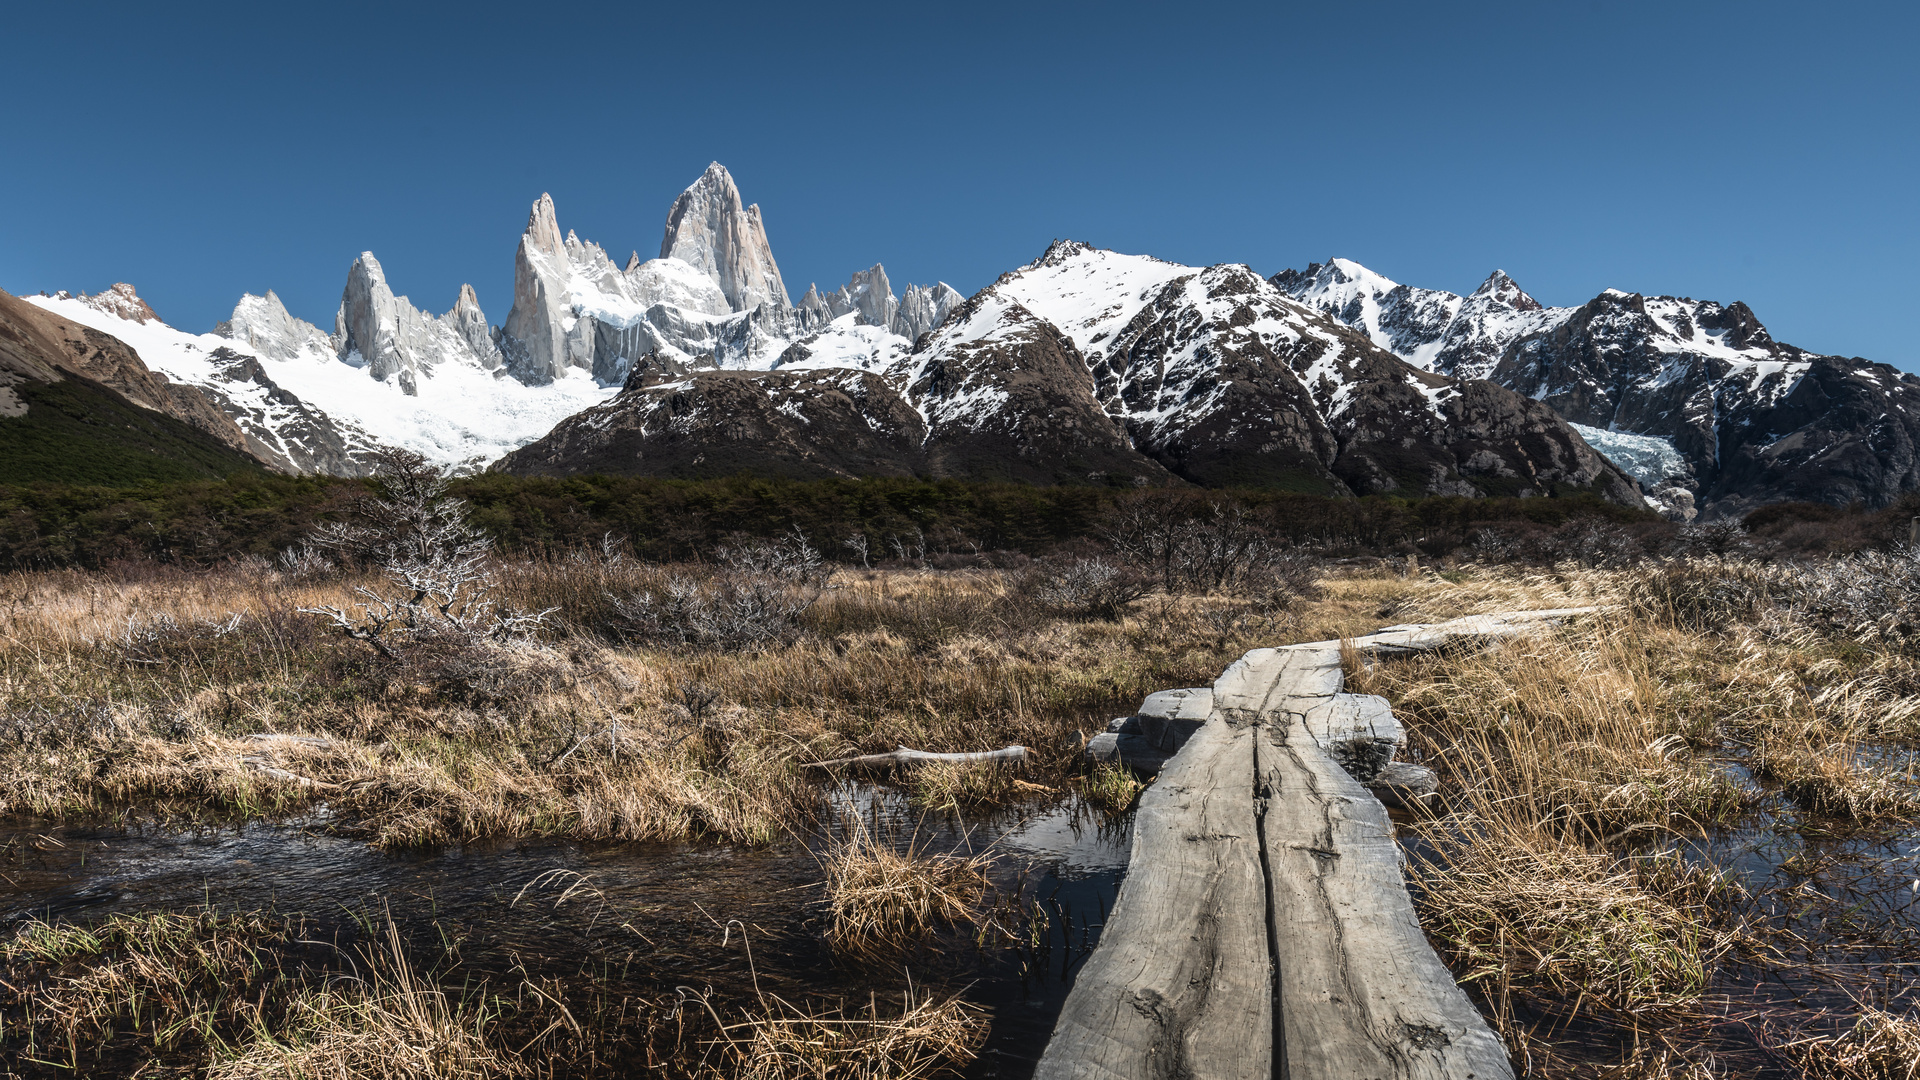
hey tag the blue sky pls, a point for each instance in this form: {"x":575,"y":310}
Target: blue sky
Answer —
{"x":1762,"y":152}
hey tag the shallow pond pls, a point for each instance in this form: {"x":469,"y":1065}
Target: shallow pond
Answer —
{"x":637,"y":919}
{"x":1841,"y":902}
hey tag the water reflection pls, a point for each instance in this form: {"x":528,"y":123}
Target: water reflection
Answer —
{"x":635,"y":919}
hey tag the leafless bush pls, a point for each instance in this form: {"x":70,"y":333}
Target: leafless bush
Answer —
{"x":790,"y":558}
{"x":726,"y":611}
{"x":303,"y":562}
{"x":1222,"y":549}
{"x":439,"y":581}
{"x":1594,"y":542}
{"x":1088,"y":589}
{"x":156,"y":639}
{"x":914,"y":553}
{"x":1871,"y":597}
{"x":1699,"y":593}
{"x":1715,"y":538}
{"x":859,"y":545}
{"x":1494,"y":546}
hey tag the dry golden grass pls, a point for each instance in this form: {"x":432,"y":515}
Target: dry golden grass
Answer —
{"x":881,"y":897}
{"x":1542,"y":917}
{"x":971,"y":785}
{"x":1880,"y":1046}
{"x":140,"y":693}
{"x":1562,"y":757}
{"x":929,"y":1036}
{"x":386,"y":1024}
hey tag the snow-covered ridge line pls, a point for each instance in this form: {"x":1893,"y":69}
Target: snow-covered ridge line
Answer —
{"x":460,"y":416}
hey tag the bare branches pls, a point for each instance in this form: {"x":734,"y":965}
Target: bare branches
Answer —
{"x":437,"y":565}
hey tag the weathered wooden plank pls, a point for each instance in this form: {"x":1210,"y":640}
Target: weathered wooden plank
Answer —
{"x":1179,"y":985}
{"x":1418,"y":637}
{"x":1353,"y":716}
{"x":1297,"y":954}
{"x":1192,"y":703}
{"x":1361,"y":993}
{"x":1148,"y":738}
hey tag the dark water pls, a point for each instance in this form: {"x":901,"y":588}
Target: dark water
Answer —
{"x":640,"y":919}
{"x":1841,"y":903}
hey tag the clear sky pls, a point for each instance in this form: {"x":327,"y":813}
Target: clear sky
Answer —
{"x":1756,"y":151}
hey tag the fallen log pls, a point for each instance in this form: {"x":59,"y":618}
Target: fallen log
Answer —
{"x":265,"y":768}
{"x":903,"y":756}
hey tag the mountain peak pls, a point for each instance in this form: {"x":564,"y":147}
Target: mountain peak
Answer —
{"x":121,"y":301}
{"x":543,"y":228}
{"x":1061,"y":250}
{"x":710,"y":230}
{"x":1332,"y":283}
{"x":1503,"y":290}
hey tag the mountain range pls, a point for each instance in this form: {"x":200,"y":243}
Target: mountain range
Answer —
{"x":1082,"y":366}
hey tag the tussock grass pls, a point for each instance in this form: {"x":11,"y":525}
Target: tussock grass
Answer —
{"x":1111,"y":788}
{"x":1836,"y":780}
{"x":881,"y":897}
{"x":172,"y":979}
{"x":1880,"y":1046}
{"x":1699,"y":699}
{"x":1584,"y":731}
{"x":928,"y":1036}
{"x":1545,"y":917}
{"x":961,"y":785}
{"x":387,"y":1024}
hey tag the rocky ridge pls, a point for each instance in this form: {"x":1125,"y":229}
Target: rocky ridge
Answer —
{"x":1091,"y":366}
{"x":119,"y":414}
{"x":1748,"y":420}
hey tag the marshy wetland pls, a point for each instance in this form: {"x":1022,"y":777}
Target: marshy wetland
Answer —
{"x":557,"y":817}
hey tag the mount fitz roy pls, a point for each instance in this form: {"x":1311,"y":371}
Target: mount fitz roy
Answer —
{"x":1082,"y":366}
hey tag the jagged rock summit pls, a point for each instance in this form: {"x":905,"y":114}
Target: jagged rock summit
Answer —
{"x":392,"y":339}
{"x":710,"y":231}
{"x":463,"y":392}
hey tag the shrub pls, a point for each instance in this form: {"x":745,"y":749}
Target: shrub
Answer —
{"x":439,"y":581}
{"x":1699,"y":594}
{"x":725,"y":611}
{"x":1872,"y":596}
{"x":1088,"y":589}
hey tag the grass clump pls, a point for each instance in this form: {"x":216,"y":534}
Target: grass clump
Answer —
{"x":1558,"y":918}
{"x":961,"y":785}
{"x":929,"y":1036}
{"x":168,"y":979}
{"x":387,"y":1024}
{"x":880,"y":897}
{"x":1881,"y":1045}
{"x":1112,"y":788}
{"x":1834,"y":780}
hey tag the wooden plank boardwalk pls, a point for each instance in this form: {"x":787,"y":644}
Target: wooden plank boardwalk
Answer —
{"x":1264,"y":929}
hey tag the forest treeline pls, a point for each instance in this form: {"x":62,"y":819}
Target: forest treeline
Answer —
{"x":206,"y":522}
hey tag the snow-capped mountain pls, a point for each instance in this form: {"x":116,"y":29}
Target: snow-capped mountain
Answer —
{"x":79,"y":406}
{"x":313,"y":403}
{"x":1089,"y":364}
{"x":463,"y":393}
{"x":714,"y":297}
{"x":1746,"y":419}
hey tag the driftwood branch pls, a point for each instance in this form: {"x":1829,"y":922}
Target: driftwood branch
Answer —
{"x":903,"y":756}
